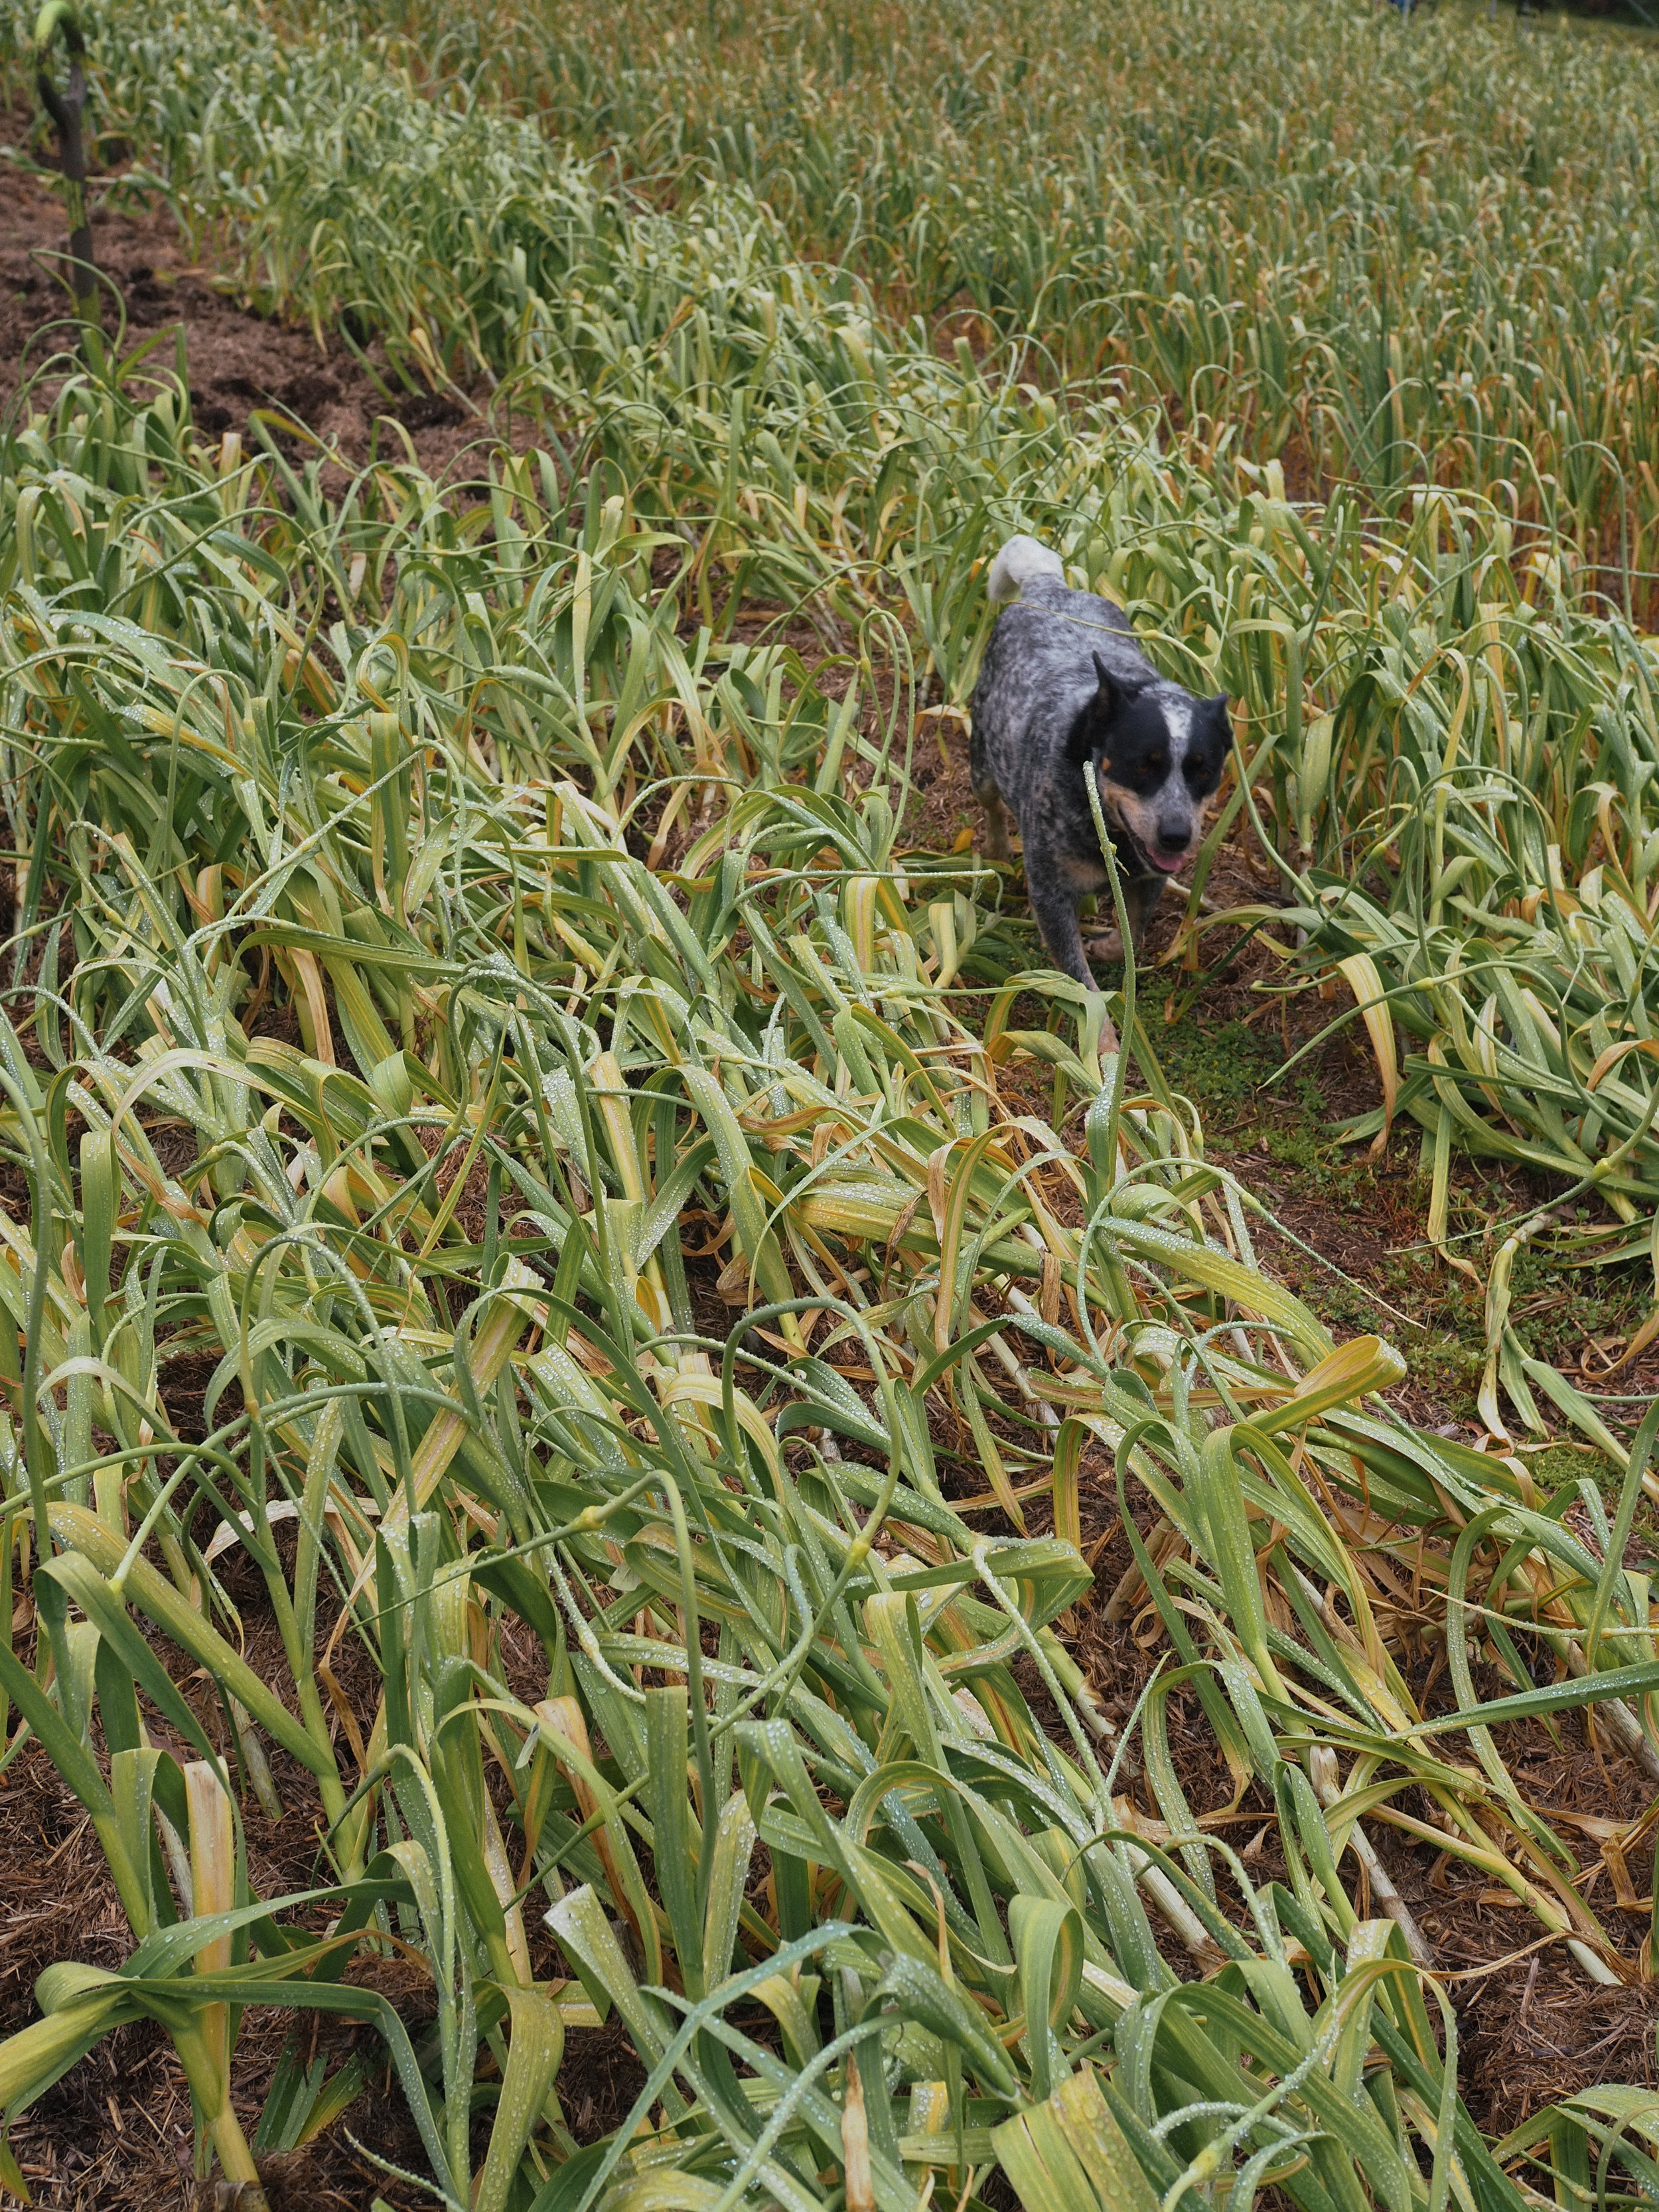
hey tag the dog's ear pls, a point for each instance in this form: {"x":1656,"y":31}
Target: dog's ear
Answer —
{"x":1089,"y":732}
{"x":1115,"y":691}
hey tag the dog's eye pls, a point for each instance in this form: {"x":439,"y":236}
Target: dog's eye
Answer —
{"x":1199,"y":772}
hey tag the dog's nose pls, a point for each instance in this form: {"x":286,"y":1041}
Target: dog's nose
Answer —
{"x":1172,"y":837}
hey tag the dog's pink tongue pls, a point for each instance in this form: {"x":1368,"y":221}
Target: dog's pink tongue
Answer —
{"x":1170,"y":867}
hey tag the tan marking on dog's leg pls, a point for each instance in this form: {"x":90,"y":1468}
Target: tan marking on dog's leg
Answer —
{"x":996,"y":826}
{"x":1108,"y":948}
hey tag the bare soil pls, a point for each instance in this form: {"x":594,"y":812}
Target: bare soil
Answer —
{"x":238,"y":362}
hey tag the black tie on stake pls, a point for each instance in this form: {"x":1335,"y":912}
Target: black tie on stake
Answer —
{"x":66,"y":109}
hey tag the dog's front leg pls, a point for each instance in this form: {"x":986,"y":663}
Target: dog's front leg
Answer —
{"x":987,"y":791}
{"x":1054,"y":898}
{"x":1140,"y":896}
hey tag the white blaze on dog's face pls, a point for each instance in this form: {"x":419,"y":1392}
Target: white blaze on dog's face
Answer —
{"x":1159,"y":754}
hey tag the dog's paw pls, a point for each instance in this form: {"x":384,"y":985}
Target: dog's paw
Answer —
{"x":1107,"y":949}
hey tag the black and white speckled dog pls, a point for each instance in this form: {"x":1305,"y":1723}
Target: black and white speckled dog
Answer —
{"x":1066,"y":688}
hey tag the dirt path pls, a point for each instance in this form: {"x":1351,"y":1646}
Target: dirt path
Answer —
{"x":238,"y":361}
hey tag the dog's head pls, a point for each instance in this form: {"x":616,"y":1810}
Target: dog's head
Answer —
{"x":1158,"y":753}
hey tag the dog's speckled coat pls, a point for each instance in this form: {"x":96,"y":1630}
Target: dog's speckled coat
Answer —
{"x":1063,"y":683}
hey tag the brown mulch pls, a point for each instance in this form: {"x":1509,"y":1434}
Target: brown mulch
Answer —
{"x":1532,"y":2026}
{"x":117,"y":2130}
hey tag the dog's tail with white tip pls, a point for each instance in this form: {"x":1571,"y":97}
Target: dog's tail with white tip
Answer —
{"x":1022,"y":561}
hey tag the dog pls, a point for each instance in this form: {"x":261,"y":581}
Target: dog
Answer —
{"x":1064,"y":691}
